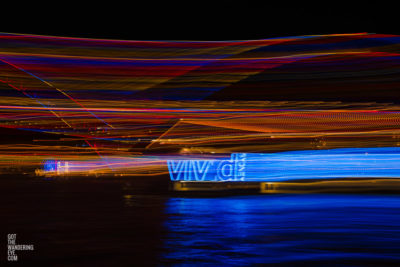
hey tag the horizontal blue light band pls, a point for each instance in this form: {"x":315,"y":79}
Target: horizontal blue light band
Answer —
{"x":292,"y":165}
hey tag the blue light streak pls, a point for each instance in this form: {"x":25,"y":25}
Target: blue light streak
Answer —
{"x":381,"y":162}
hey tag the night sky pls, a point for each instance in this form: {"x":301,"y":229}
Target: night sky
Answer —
{"x":194,"y":20}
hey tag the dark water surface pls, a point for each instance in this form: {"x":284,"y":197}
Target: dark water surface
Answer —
{"x":103,"y":222}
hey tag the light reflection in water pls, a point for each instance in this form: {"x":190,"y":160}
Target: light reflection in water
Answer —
{"x":283,"y":229}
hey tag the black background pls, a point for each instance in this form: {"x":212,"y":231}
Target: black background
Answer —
{"x":194,"y":20}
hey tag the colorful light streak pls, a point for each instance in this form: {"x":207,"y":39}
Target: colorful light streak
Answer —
{"x":106,"y":106}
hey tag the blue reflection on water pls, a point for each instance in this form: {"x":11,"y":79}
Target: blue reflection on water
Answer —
{"x":283,"y":229}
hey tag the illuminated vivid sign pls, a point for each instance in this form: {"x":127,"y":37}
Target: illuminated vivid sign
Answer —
{"x":291,"y":165}
{"x":232,"y":169}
